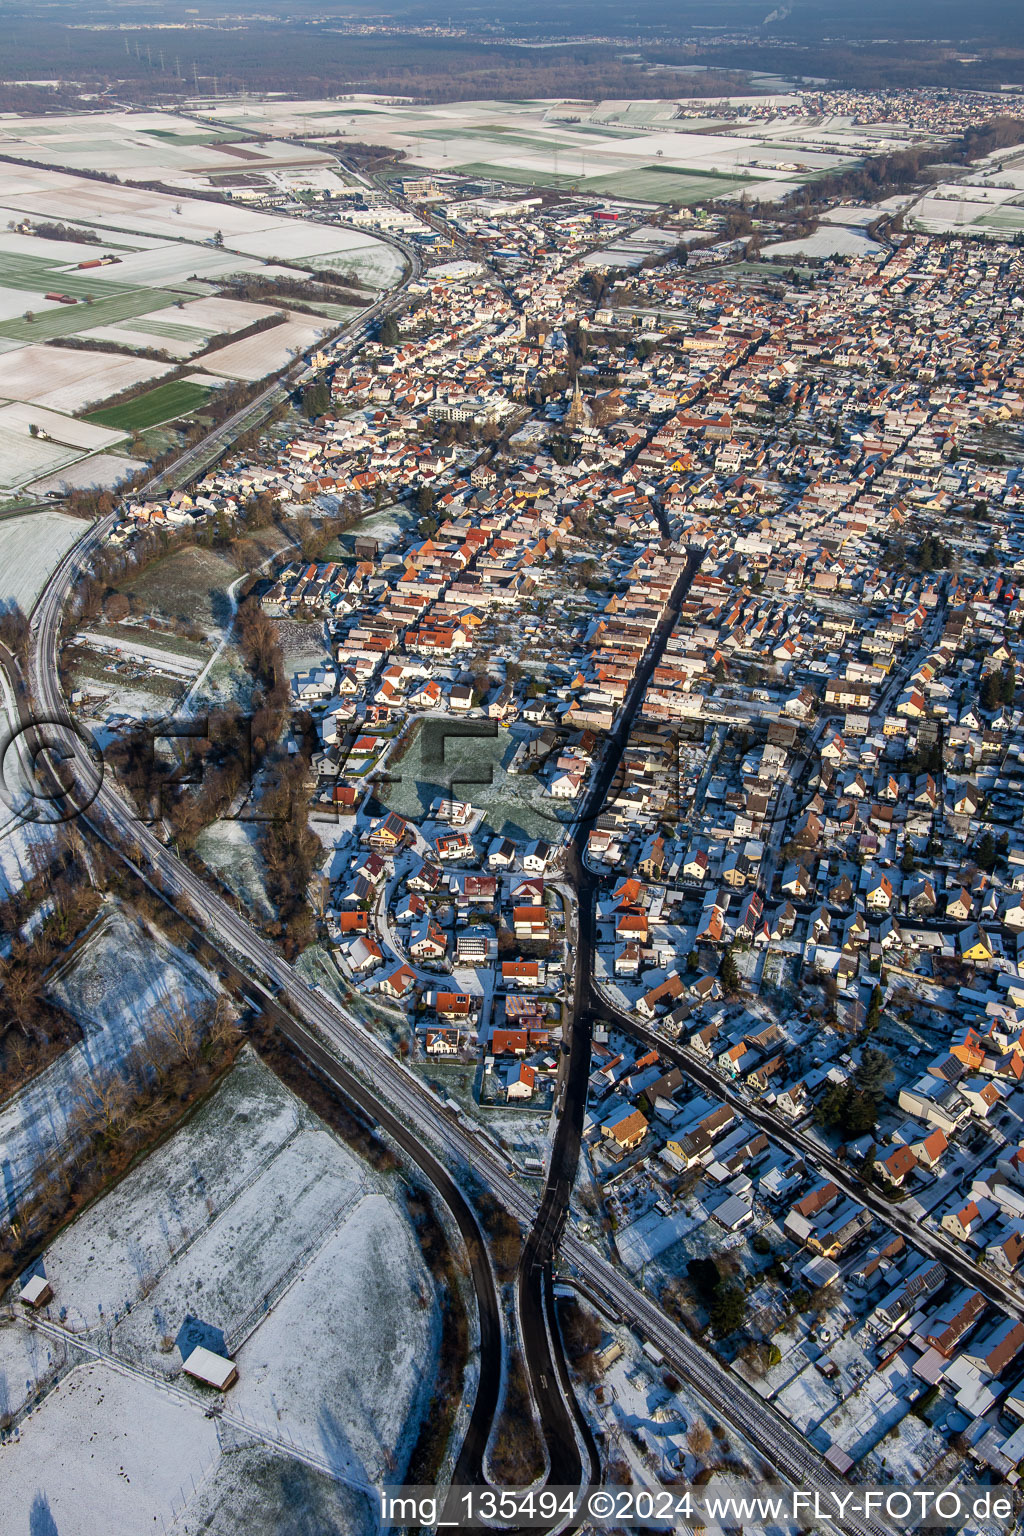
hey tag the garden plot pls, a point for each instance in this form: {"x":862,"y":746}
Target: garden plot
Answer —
{"x":30,"y":547}
{"x":68,"y":380}
{"x":122,"y":986}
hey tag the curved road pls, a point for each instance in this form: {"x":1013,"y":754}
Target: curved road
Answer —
{"x":374,"y":1078}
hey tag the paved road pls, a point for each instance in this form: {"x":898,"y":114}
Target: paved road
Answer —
{"x":934,"y":1243}
{"x":388,"y":1090}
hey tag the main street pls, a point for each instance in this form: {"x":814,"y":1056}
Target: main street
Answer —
{"x":385,"y":1085}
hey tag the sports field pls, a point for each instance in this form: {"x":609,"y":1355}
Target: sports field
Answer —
{"x":164,"y":403}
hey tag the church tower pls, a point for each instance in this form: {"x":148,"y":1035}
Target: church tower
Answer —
{"x":578,"y":415}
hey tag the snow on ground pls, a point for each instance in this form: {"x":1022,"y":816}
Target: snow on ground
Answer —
{"x":24,"y":844}
{"x":19,"y":417}
{"x":252,"y":1491}
{"x":245,"y":1252}
{"x":30,"y":547}
{"x":836,"y":240}
{"x":102,"y":471}
{"x":255,"y":356}
{"x":27,"y":1359}
{"x":57,"y":443}
{"x":252,"y":1193}
{"x":24,"y":458}
{"x":228,"y":848}
{"x":643,"y":1240}
{"x":118,"y":986}
{"x":21,"y":844}
{"x":103,"y":1455}
{"x":67,"y":379}
{"x":362,"y":1307}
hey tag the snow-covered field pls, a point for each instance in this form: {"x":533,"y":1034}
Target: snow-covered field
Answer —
{"x":172,"y":265}
{"x":247,"y":235}
{"x":252,"y":1198}
{"x":69,"y":380}
{"x":363,"y":1310}
{"x":103,"y":1453}
{"x":24,"y":458}
{"x":102,"y":470}
{"x":19,"y":417}
{"x":61,"y":440}
{"x":228,"y":848}
{"x":27,"y":1360}
{"x":257,"y":355}
{"x":120,"y":986}
{"x":185,"y":331}
{"x":833,"y":240}
{"x":30,"y":547}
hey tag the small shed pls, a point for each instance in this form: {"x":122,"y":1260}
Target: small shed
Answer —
{"x":213,"y":1370}
{"x":838,"y":1460}
{"x":37,"y":1292}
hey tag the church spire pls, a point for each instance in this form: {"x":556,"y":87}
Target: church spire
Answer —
{"x":578,"y":415}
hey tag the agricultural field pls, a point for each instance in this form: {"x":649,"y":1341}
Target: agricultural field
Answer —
{"x":829,"y":240}
{"x":255,"y":356}
{"x":67,"y":380}
{"x":30,"y":547}
{"x":184,"y":328}
{"x":155,"y":294}
{"x":255,"y":1230}
{"x":24,"y":458}
{"x":165,"y":403}
{"x":250,"y":238}
{"x":649,"y":150}
{"x":150,"y":146}
{"x":652,"y":183}
{"x":101,"y":471}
